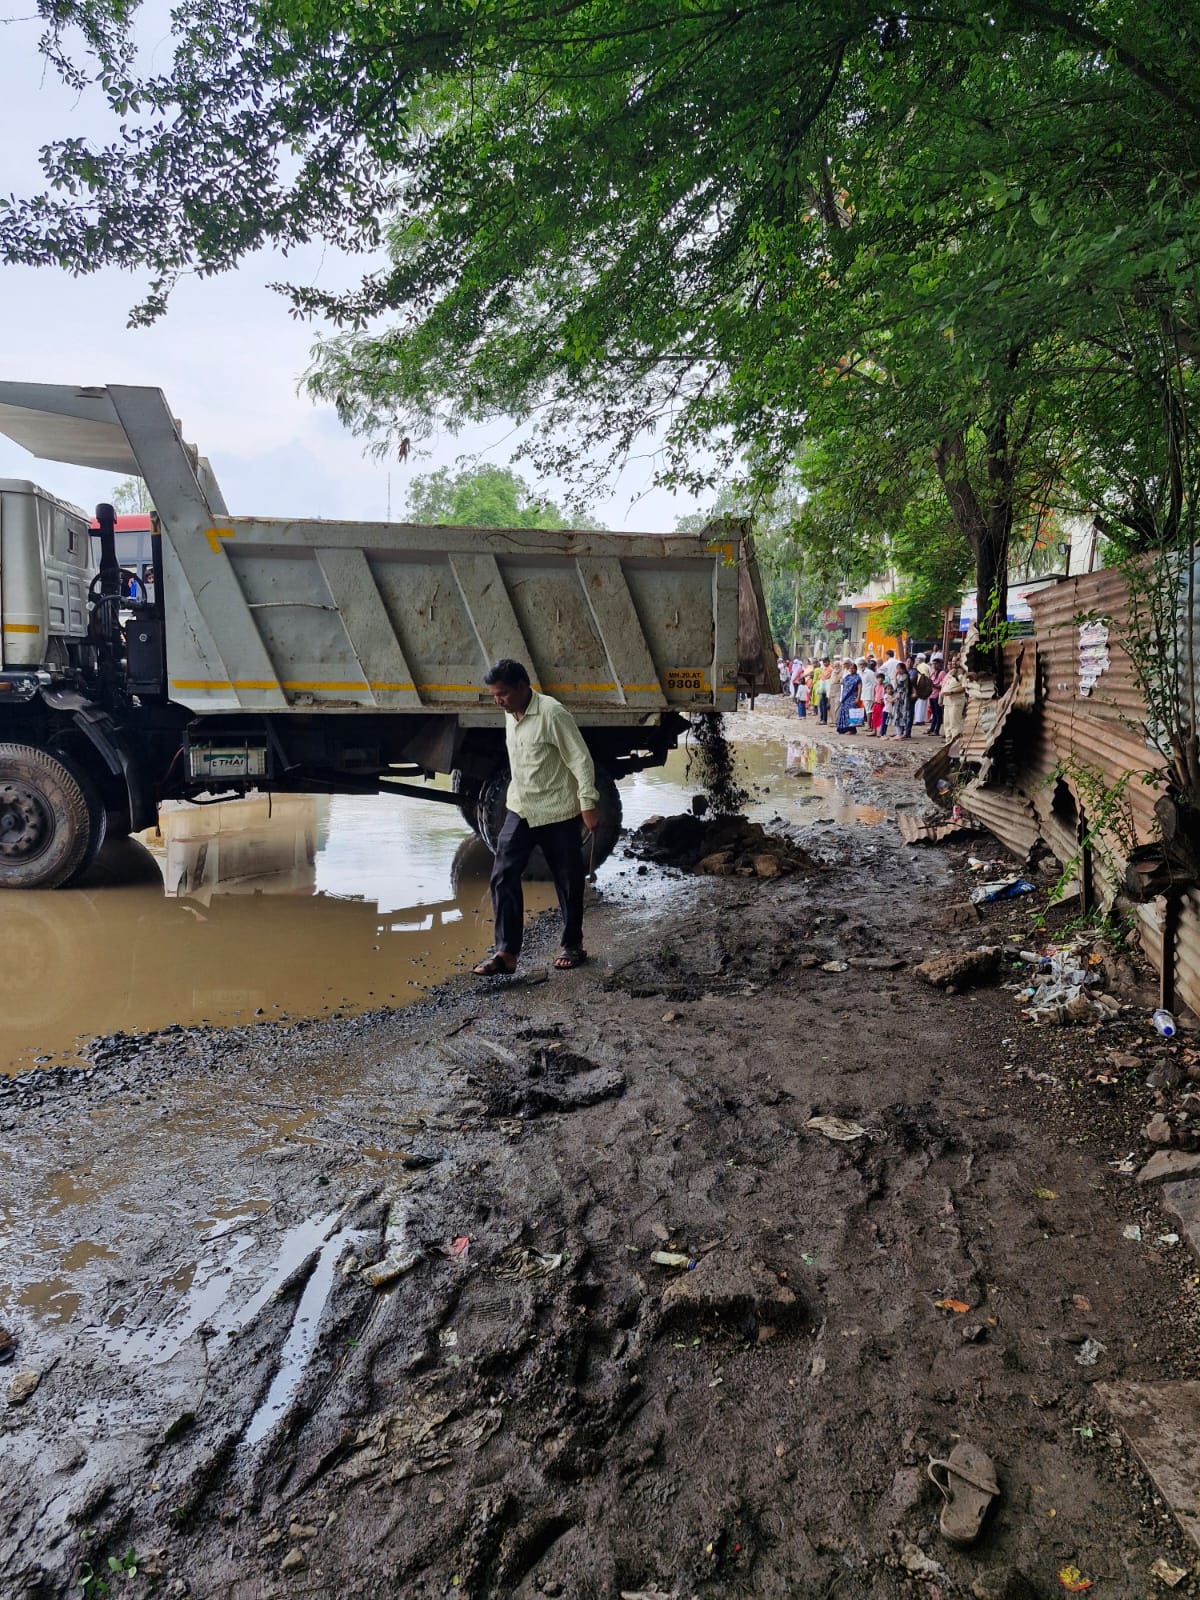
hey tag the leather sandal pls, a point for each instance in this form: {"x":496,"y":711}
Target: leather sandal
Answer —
{"x":568,"y":959}
{"x":970,"y":1487}
{"x":494,"y":967}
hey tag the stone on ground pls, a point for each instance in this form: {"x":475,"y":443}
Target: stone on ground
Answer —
{"x":961,"y":969}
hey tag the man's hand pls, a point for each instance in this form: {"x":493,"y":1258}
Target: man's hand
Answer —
{"x":591,"y":820}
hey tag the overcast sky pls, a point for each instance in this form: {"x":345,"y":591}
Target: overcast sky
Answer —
{"x":227,"y":355}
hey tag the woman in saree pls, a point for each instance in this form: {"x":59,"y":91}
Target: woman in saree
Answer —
{"x":902,"y":704}
{"x":851,"y":685}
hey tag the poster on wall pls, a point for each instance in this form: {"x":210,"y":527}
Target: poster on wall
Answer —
{"x":1093,"y":654}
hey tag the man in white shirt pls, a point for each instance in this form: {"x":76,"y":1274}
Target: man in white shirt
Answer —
{"x":551,"y":788}
{"x":888,"y":669}
{"x":867,"y":694}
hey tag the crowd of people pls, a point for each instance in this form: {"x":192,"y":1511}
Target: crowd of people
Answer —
{"x":888,"y":697}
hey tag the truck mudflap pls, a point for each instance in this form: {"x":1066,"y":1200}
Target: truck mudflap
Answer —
{"x":98,"y":728}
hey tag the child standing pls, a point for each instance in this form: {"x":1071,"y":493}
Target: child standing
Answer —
{"x":878,"y":692}
{"x":802,"y":693}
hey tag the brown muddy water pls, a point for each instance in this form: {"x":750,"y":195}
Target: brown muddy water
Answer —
{"x":297,"y":905}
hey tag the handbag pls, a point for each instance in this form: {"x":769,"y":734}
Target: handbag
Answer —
{"x":856,"y":716}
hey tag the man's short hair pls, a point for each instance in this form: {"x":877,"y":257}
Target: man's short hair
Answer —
{"x":510,"y":673}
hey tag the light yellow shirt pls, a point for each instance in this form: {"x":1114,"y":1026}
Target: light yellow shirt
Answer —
{"x":553,"y":778}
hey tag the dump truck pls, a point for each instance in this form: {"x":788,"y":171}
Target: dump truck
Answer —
{"x":318,"y":656}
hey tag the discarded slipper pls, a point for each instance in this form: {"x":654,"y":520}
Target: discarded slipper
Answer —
{"x":970,"y":1487}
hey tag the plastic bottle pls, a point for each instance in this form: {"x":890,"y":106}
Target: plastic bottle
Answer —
{"x":1164,"y":1023}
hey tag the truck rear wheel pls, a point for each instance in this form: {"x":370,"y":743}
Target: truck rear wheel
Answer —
{"x":492,"y":806}
{"x":45,"y":824}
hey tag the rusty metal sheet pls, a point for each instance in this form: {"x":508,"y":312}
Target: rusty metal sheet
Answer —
{"x":986,"y":719}
{"x":1005,"y":812}
{"x":915,"y":830}
{"x":934,"y":770}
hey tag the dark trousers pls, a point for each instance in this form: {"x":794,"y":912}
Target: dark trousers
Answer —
{"x":824,"y":706}
{"x":935,"y":716}
{"x":560,"y":845}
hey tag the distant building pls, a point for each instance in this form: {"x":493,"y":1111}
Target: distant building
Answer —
{"x":860,"y":618}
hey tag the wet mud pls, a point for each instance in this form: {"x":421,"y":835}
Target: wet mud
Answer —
{"x":558,"y":1288}
{"x":723,"y":847}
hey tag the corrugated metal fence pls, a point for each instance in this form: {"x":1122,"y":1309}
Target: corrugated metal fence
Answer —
{"x":1073,"y":733}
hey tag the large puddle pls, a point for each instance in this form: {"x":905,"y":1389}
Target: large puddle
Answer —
{"x":295,"y":906}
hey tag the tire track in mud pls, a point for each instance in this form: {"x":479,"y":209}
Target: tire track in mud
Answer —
{"x":583,"y":1430}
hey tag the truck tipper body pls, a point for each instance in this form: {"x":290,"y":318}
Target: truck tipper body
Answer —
{"x":320,"y":656}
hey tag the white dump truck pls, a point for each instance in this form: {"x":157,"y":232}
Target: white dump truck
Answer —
{"x":320,"y":656}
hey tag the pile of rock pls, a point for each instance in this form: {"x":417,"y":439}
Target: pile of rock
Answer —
{"x":720,"y":847}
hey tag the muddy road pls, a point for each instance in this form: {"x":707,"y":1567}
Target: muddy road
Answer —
{"x":367,"y":1304}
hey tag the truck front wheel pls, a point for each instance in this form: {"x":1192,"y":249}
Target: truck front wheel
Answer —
{"x":467,"y":790}
{"x":491,"y":808}
{"x":45,"y":826}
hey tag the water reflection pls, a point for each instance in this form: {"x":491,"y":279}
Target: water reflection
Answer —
{"x":788,"y":779}
{"x":293,"y":905}
{"x":282,"y":907}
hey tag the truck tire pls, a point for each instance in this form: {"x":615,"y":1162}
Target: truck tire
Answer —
{"x":467,"y":790}
{"x":98,"y":828}
{"x":492,"y":806}
{"x":45,"y":827}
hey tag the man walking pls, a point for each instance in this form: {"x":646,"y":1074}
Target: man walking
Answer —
{"x":552,"y":785}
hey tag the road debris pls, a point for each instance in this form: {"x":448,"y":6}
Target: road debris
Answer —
{"x":1073,"y":1581}
{"x":1166,"y":1573}
{"x":1090,"y":1352}
{"x":837,"y":1128}
{"x":22,"y":1385}
{"x":380,"y":1273}
{"x":960,"y":969}
{"x":967,"y":1481}
{"x":521,"y":1263}
{"x":399,"y":1255}
{"x":914,"y":1560}
{"x":1002,"y":889}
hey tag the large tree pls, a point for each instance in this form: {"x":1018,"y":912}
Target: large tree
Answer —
{"x":726,"y":225}
{"x":483,"y":496}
